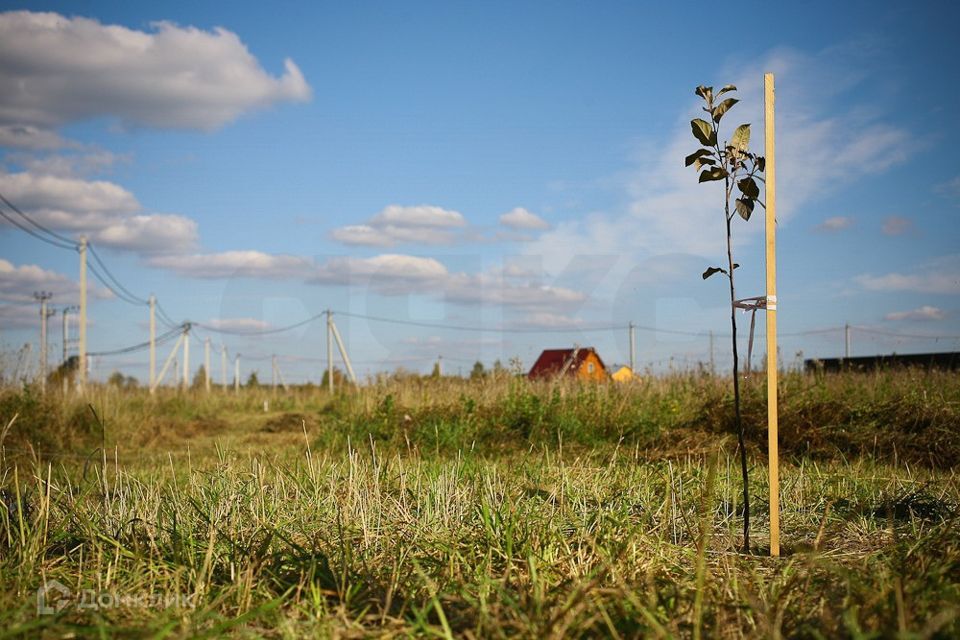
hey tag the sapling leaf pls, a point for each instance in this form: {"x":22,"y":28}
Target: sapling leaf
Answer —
{"x":725,"y":89}
{"x":722,"y":108}
{"x":741,"y":137}
{"x":714,"y":173}
{"x":749,"y":188}
{"x":761,"y":163}
{"x":703,"y":132}
{"x":744,"y":207}
{"x":712,"y":270}
{"x":699,"y":153}
{"x":705,"y":92}
{"x":703,"y":162}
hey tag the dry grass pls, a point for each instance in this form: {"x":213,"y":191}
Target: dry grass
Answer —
{"x":487,"y":510}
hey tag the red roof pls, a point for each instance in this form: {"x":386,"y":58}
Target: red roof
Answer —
{"x":552,"y":362}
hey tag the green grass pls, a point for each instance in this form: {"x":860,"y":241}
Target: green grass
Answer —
{"x":486,"y":510}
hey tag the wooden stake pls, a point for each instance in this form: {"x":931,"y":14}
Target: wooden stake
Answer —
{"x":771,"y":233}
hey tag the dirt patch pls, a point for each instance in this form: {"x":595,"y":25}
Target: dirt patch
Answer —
{"x":201,"y":426}
{"x":287,"y":422}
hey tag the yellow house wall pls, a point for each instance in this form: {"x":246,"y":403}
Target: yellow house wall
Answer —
{"x":583,"y":373}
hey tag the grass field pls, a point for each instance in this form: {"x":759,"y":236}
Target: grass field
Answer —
{"x":482,"y":509}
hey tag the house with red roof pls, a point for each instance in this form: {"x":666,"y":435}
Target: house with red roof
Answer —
{"x":582,"y":363}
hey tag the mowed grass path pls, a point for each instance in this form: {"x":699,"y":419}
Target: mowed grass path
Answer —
{"x":472,"y":510}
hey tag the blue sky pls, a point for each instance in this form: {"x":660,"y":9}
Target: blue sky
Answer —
{"x":493,"y":165}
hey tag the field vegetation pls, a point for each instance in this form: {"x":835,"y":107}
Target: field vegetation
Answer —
{"x":491,"y":507}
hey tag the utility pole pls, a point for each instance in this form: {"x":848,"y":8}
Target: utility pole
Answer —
{"x":206,"y":364}
{"x":42,"y":297}
{"x":186,"y":357}
{"x":83,"y":313}
{"x":63,"y":360}
{"x":223,"y":365}
{"x":153,"y":342}
{"x":66,"y":331}
{"x":343,"y":352}
{"x":633,"y":349}
{"x":273,"y":377}
{"x":846,"y":341}
{"x":329,"y":351}
{"x":279,"y":374}
{"x":236,"y":374}
{"x":171,"y":359}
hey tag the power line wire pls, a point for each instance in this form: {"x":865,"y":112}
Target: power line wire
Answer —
{"x":451,"y":327}
{"x":903,"y":335}
{"x":63,"y":242}
{"x":162,"y":339}
{"x":36,"y":235}
{"x":56,"y":235}
{"x":103,"y":280}
{"x":236,"y":332}
{"x":113,"y":278}
{"x":164,"y":316}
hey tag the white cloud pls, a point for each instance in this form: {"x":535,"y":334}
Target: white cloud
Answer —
{"x":149,"y":234}
{"x":926,"y":312}
{"x":74,"y":165}
{"x":950,"y":188}
{"x":18,"y":284}
{"x":484,"y":289}
{"x":419,"y":216}
{"x":948,"y":283}
{"x":834,"y":224}
{"x":517,"y":269}
{"x":819,"y":150}
{"x":363,"y":235}
{"x":387,"y":273}
{"x":104,"y":211}
{"x":896,"y":225}
{"x":238,"y":324}
{"x":235,"y":264}
{"x":57,"y":70}
{"x":545,"y":320}
{"x":396,"y":224}
{"x":940,"y":276}
{"x":29,"y":137}
{"x":390,"y":235}
{"x":520,"y":218}
{"x":67,"y":203}
{"x":19,"y":316}
{"x":394,"y":274}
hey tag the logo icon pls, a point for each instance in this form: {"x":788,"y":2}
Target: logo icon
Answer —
{"x":52,"y":597}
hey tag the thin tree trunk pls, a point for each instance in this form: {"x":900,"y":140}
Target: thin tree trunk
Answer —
{"x":738,"y":420}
